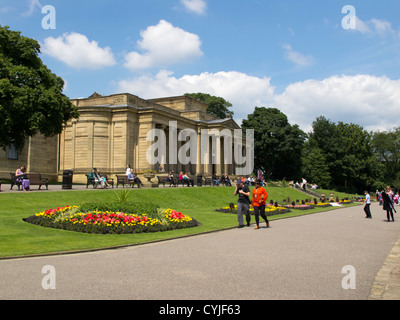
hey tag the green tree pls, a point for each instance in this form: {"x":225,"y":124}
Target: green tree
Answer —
{"x":386,"y":146}
{"x":277,"y":144}
{"x":325,"y":137}
{"x":217,"y":106}
{"x":31,"y":99}
{"x":348,"y":153}
{"x":358,"y":157}
{"x":315,"y":168}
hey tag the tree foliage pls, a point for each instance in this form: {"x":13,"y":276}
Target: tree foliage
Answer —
{"x":347,"y":151}
{"x":277,"y":144}
{"x":31,"y":99}
{"x":386,"y":146}
{"x":217,"y":107}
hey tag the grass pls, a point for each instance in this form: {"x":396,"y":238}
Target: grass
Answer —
{"x":18,"y":238}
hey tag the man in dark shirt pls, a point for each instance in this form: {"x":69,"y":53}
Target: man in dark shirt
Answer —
{"x":243,"y":203}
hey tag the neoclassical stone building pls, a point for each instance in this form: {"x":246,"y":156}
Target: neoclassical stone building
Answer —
{"x":112,"y":131}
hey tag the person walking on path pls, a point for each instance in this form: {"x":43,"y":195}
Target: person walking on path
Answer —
{"x":260,"y":195}
{"x":243,"y":191}
{"x":388,"y":203}
{"x":367,"y":205}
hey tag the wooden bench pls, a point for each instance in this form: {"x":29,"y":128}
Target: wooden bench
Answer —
{"x":163,"y":180}
{"x":123,"y":179}
{"x":35,"y":179}
{"x":92,"y":181}
{"x":208,"y":181}
{"x":184,"y":182}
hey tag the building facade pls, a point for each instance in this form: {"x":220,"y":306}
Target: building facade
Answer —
{"x":113,"y":131}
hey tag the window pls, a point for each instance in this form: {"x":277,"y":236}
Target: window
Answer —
{"x":12,"y":153}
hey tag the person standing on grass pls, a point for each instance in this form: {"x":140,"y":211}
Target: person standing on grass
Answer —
{"x":243,"y":191}
{"x":260,"y":195}
{"x":367,"y":205}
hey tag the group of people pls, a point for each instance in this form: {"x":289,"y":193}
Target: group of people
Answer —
{"x":386,"y":198}
{"x":184,"y":177}
{"x":223,"y":180}
{"x":97,"y":178}
{"x":258,"y":200}
{"x":304,"y":185}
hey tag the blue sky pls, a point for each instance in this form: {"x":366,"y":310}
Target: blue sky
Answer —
{"x":303,"y":57}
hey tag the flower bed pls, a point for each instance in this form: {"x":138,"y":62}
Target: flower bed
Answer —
{"x":319,"y":204}
{"x":73,"y":218}
{"x":300,"y":206}
{"x":270,"y":210}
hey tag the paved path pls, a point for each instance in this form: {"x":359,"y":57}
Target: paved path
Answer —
{"x":297,"y":258}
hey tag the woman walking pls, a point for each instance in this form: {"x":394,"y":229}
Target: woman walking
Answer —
{"x":260,"y":195}
{"x":387,"y":197}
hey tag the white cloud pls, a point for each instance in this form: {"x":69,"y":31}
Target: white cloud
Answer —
{"x":375,"y":26}
{"x":382,"y":27}
{"x":196,"y":6}
{"x":243,"y":91}
{"x":163,"y":45}
{"x":372,"y":102}
{"x":77,"y":51}
{"x":32,"y":5}
{"x":361,"y":26}
{"x":296,"y":57}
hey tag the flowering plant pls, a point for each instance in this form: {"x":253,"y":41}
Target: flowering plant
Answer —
{"x":300,"y":206}
{"x":270,"y":209}
{"x":149,"y":171}
{"x":100,"y":221}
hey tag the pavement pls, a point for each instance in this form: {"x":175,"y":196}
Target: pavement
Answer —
{"x":334,"y":255}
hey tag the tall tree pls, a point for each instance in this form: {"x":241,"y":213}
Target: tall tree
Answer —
{"x":315,"y":168}
{"x":217,"y":106}
{"x":357,"y":161}
{"x":386,"y":146}
{"x":277,"y":144}
{"x":31,"y":98}
{"x":347,"y":149}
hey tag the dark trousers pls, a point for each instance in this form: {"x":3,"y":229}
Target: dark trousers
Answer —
{"x":389,"y":213}
{"x":367,"y":210}
{"x":260,"y":211}
{"x":243,"y":209}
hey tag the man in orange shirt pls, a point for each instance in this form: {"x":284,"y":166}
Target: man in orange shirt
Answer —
{"x":260,"y":195}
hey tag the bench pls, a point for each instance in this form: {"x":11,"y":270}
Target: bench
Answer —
{"x":123,"y":179}
{"x":161,"y":180}
{"x":209,"y":181}
{"x":92,"y":181}
{"x":184,"y":182}
{"x":35,"y":179}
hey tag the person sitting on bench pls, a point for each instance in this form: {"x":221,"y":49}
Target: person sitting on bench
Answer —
{"x":20,"y":176}
{"x":132,"y":177}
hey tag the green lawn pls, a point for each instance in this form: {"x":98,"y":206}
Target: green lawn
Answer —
{"x":18,"y":238}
